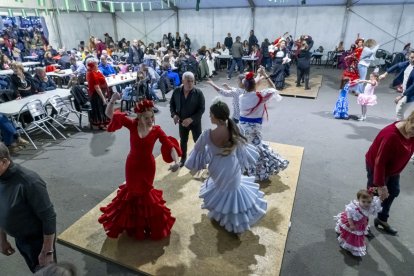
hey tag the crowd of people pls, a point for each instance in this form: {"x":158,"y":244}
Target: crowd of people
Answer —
{"x":233,"y":152}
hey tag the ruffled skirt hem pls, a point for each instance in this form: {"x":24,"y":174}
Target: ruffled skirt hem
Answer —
{"x":235,"y":210}
{"x":141,"y":216}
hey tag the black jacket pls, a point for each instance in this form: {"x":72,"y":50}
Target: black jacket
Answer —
{"x":194,"y":109}
{"x":228,"y":41}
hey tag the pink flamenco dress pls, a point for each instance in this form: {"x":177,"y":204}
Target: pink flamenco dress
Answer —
{"x":354,"y":241}
{"x":368,"y":97}
{"x":138,"y":208}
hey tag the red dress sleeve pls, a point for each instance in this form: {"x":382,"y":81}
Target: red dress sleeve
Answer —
{"x":120,"y":119}
{"x":167,"y":144}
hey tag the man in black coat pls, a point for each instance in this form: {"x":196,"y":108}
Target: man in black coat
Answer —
{"x":228,"y":41}
{"x":252,"y":41}
{"x":187,"y":106}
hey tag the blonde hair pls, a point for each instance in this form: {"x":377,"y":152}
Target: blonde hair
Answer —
{"x":17,"y":65}
{"x":410,"y":118}
{"x":370,"y":43}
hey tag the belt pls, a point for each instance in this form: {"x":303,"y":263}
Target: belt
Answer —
{"x":251,"y":120}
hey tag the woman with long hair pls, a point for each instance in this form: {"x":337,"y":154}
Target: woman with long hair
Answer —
{"x":138,"y":208}
{"x":233,"y":200}
{"x":367,"y":55}
{"x":252,"y":111}
{"x":97,"y":90}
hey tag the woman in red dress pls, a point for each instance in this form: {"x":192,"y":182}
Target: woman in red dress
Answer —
{"x":138,"y":208}
{"x":97,"y":89}
{"x":351,"y":62}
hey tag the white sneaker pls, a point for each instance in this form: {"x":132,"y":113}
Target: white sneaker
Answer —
{"x":362,"y":118}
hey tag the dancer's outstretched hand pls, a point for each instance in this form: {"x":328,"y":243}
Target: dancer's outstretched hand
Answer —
{"x":174,"y":167}
{"x":116,"y":96}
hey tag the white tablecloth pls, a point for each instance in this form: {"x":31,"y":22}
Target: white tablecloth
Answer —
{"x":67,"y":72}
{"x":30,"y":63}
{"x":10,"y":71}
{"x":13,"y":107}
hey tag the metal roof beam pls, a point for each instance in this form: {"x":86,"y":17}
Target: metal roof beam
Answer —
{"x":251,"y":4}
{"x":170,"y":5}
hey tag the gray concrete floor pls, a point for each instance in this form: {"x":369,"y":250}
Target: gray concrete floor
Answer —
{"x":84,"y":169}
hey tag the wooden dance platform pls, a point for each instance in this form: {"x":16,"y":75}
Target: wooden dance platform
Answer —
{"x":198,"y":246}
{"x":293,"y":91}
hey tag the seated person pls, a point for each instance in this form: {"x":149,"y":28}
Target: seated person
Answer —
{"x":10,"y":136}
{"x":109,"y":59}
{"x":171,"y":75}
{"x":52,"y":50}
{"x":64,"y":59}
{"x":5,"y":62}
{"x":106,"y":68}
{"x":223,"y":51}
{"x":77,"y":67}
{"x":21,"y":82}
{"x":42,"y":81}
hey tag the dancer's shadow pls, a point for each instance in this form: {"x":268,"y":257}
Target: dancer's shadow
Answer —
{"x":100,"y":143}
{"x":273,"y":185}
{"x":272,"y":220}
{"x":362,"y":132}
{"x":173,"y":186}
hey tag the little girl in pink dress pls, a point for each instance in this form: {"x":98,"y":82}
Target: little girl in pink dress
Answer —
{"x":352,"y":224}
{"x":368,"y":97}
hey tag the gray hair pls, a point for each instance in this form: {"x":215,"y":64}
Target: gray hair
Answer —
{"x":4,"y":151}
{"x":39,"y":70}
{"x":188,"y":75}
{"x":91,"y":60}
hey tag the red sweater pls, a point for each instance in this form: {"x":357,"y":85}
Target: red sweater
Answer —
{"x":389,"y":154}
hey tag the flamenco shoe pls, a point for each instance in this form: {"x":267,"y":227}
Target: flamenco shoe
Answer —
{"x":369,"y":234}
{"x":385,"y":226}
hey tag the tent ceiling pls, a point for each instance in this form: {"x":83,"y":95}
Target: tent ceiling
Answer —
{"x":209,"y":4}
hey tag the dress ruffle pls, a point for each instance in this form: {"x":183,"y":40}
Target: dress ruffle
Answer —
{"x":364,"y":99}
{"x":198,"y":160}
{"x":269,"y":163}
{"x":166,"y":148}
{"x":247,"y":155}
{"x":235,"y":210}
{"x":141,"y":216}
{"x":119,"y":119}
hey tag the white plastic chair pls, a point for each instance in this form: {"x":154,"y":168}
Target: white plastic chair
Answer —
{"x":41,"y":120}
{"x":63,"y":110}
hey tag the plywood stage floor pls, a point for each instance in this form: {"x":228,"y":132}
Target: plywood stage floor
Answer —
{"x":198,"y":246}
{"x":293,"y":91}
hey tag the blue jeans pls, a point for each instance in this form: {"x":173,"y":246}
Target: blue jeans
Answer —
{"x":234,"y":62}
{"x":362,"y":70}
{"x":152,"y":88}
{"x":8,"y":131}
{"x":393,"y":186}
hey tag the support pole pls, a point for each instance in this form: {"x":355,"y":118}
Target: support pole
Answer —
{"x":346,"y":20}
{"x":398,"y":28}
{"x":253,"y":9}
{"x":55,"y":18}
{"x":115,"y":27}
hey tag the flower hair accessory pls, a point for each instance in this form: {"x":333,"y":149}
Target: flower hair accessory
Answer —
{"x":249,"y":76}
{"x":372,"y":190}
{"x":143,"y":106}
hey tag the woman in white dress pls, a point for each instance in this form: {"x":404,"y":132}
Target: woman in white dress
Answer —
{"x":252,"y":110}
{"x":233,"y":200}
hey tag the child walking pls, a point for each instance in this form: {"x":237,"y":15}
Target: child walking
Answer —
{"x":352,"y":224}
{"x":341,"y":105}
{"x":368,"y":98}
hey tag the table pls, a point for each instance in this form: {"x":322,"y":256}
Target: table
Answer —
{"x":67,"y":72}
{"x":31,"y":57}
{"x":121,"y":79}
{"x":226,"y":57}
{"x":317,"y":58}
{"x":12,"y":108}
{"x":30,"y":63}
{"x":10,"y":71}
{"x":253,"y":59}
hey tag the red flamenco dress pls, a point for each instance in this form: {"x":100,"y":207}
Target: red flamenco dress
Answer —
{"x":138,"y":208}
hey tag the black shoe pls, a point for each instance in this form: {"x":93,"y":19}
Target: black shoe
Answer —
{"x":385,"y":226}
{"x":307,"y":88}
{"x":182,"y":162}
{"x":298,"y":85}
{"x":370,"y":235}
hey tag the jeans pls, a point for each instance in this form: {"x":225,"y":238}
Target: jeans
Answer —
{"x":393,"y":186}
{"x":195,"y":128}
{"x":8,"y":131}
{"x":402,"y":107}
{"x":362,"y":70}
{"x":152,"y":88}
{"x":234,"y":62}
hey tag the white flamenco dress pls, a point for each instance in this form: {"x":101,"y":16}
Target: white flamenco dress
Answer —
{"x":233,"y":200}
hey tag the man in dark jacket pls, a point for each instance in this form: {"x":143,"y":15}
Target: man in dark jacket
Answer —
{"x":237,"y":53}
{"x":26,"y":214}
{"x":252,"y":41}
{"x":42,"y":81}
{"x":406,"y":78}
{"x":135,"y":55}
{"x":187,"y":105}
{"x":228,"y":41}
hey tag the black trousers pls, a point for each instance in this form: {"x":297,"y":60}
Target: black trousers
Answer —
{"x":393,"y":186}
{"x":30,"y":249}
{"x":195,"y":129}
{"x":303,"y":73}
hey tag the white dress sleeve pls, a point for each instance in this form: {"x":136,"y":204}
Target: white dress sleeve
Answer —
{"x":247,"y":155}
{"x":270,"y":93}
{"x":199,"y":156}
{"x":375,"y":206}
{"x":352,"y":213}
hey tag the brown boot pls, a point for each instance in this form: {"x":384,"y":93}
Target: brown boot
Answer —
{"x":22,"y":142}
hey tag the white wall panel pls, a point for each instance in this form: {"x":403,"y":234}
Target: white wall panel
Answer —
{"x":271,"y":22}
{"x":406,"y":31}
{"x":324,"y":24}
{"x":198,"y":26}
{"x":237,"y":21}
{"x":377,"y":22}
{"x":148,"y":26}
{"x":76,"y":27}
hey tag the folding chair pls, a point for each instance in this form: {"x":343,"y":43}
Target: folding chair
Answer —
{"x":330,"y":59}
{"x":40,"y":118}
{"x":62,"y":110}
